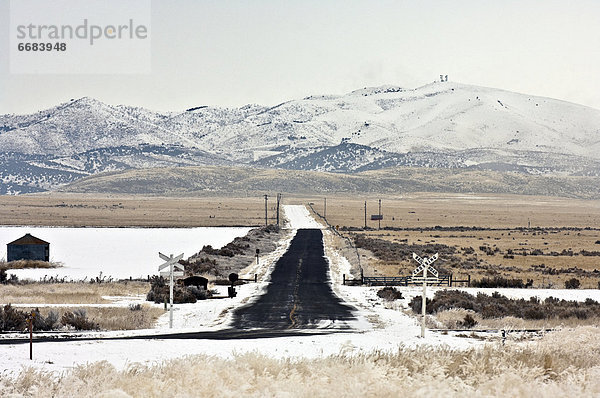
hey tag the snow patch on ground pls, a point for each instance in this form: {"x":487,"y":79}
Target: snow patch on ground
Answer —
{"x":382,"y":326}
{"x":116,"y":252}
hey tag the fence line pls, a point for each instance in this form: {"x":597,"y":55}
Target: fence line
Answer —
{"x":443,"y":280}
{"x":348,"y":240}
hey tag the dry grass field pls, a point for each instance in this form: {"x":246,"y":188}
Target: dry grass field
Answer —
{"x":545,"y":239}
{"x":526,"y":237}
{"x":122,"y":211}
{"x":69,"y":293}
{"x":106,"y":317}
{"x":489,"y":211}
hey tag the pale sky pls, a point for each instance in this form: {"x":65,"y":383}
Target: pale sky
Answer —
{"x":230,"y":53}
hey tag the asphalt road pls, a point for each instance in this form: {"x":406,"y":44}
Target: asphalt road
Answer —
{"x":299,"y":295}
{"x":298,"y":301}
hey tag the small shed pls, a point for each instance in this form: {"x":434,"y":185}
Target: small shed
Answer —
{"x":28,"y":247}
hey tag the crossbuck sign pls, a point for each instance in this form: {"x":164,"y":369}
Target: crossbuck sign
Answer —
{"x":423,"y":268}
{"x":172,"y":263}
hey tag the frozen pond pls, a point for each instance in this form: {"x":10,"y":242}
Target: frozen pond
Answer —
{"x":117,"y":252}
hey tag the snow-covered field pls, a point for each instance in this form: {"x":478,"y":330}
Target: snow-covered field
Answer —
{"x":378,"y":328}
{"x":116,"y":252}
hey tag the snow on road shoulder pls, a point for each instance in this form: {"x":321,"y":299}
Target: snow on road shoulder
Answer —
{"x":215,"y":314}
{"x":299,"y":217}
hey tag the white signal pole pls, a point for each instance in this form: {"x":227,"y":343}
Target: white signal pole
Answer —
{"x":424,"y":265}
{"x":172,"y":263}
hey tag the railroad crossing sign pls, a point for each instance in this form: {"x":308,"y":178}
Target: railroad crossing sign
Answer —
{"x":425,"y":263}
{"x":424,"y":267}
{"x":172,"y":263}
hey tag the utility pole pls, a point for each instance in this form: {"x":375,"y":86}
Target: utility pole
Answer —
{"x":325,"y":209}
{"x":379,"y":221}
{"x":266,"y":200}
{"x":365,"y":214}
{"x":278,"y":201}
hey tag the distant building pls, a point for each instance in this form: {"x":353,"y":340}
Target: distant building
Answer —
{"x":28,"y":248}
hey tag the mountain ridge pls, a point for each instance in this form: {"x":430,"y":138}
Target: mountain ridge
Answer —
{"x":439,"y":125}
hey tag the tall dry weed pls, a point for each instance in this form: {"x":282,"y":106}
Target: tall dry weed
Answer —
{"x":562,"y":364}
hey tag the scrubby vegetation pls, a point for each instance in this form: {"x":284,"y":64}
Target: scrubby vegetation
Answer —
{"x":392,"y":251}
{"x":497,"y":306}
{"x":501,"y":282}
{"x":572,"y":283}
{"x":136,"y":316}
{"x":78,"y":320}
{"x":12,"y":319}
{"x":234,"y":256}
{"x":390,"y":293}
{"x":159,"y":292}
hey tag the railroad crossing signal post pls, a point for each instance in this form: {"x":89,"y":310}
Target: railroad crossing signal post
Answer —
{"x":172,"y":263}
{"x":424,"y":266}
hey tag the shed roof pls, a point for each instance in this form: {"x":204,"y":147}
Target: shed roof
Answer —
{"x":29,"y":239}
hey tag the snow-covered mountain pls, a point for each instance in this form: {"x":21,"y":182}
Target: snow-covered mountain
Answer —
{"x":442,"y":124}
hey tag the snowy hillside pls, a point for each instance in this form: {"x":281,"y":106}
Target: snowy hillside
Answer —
{"x":443,"y":124}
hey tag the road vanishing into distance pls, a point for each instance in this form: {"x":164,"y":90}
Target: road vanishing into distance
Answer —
{"x":299,"y":295}
{"x":298,"y":301}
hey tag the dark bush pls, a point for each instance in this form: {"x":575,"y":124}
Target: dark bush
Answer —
{"x":468,"y":322}
{"x":12,"y":319}
{"x":3,"y":276}
{"x":78,"y":320}
{"x":572,"y":283}
{"x":415,"y":305}
{"x":497,"y":282}
{"x":50,"y":322}
{"x":201,"y":265}
{"x":159,"y":292}
{"x":534,"y":312}
{"x":200,"y":294}
{"x":497,"y":306}
{"x":390,"y":293}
